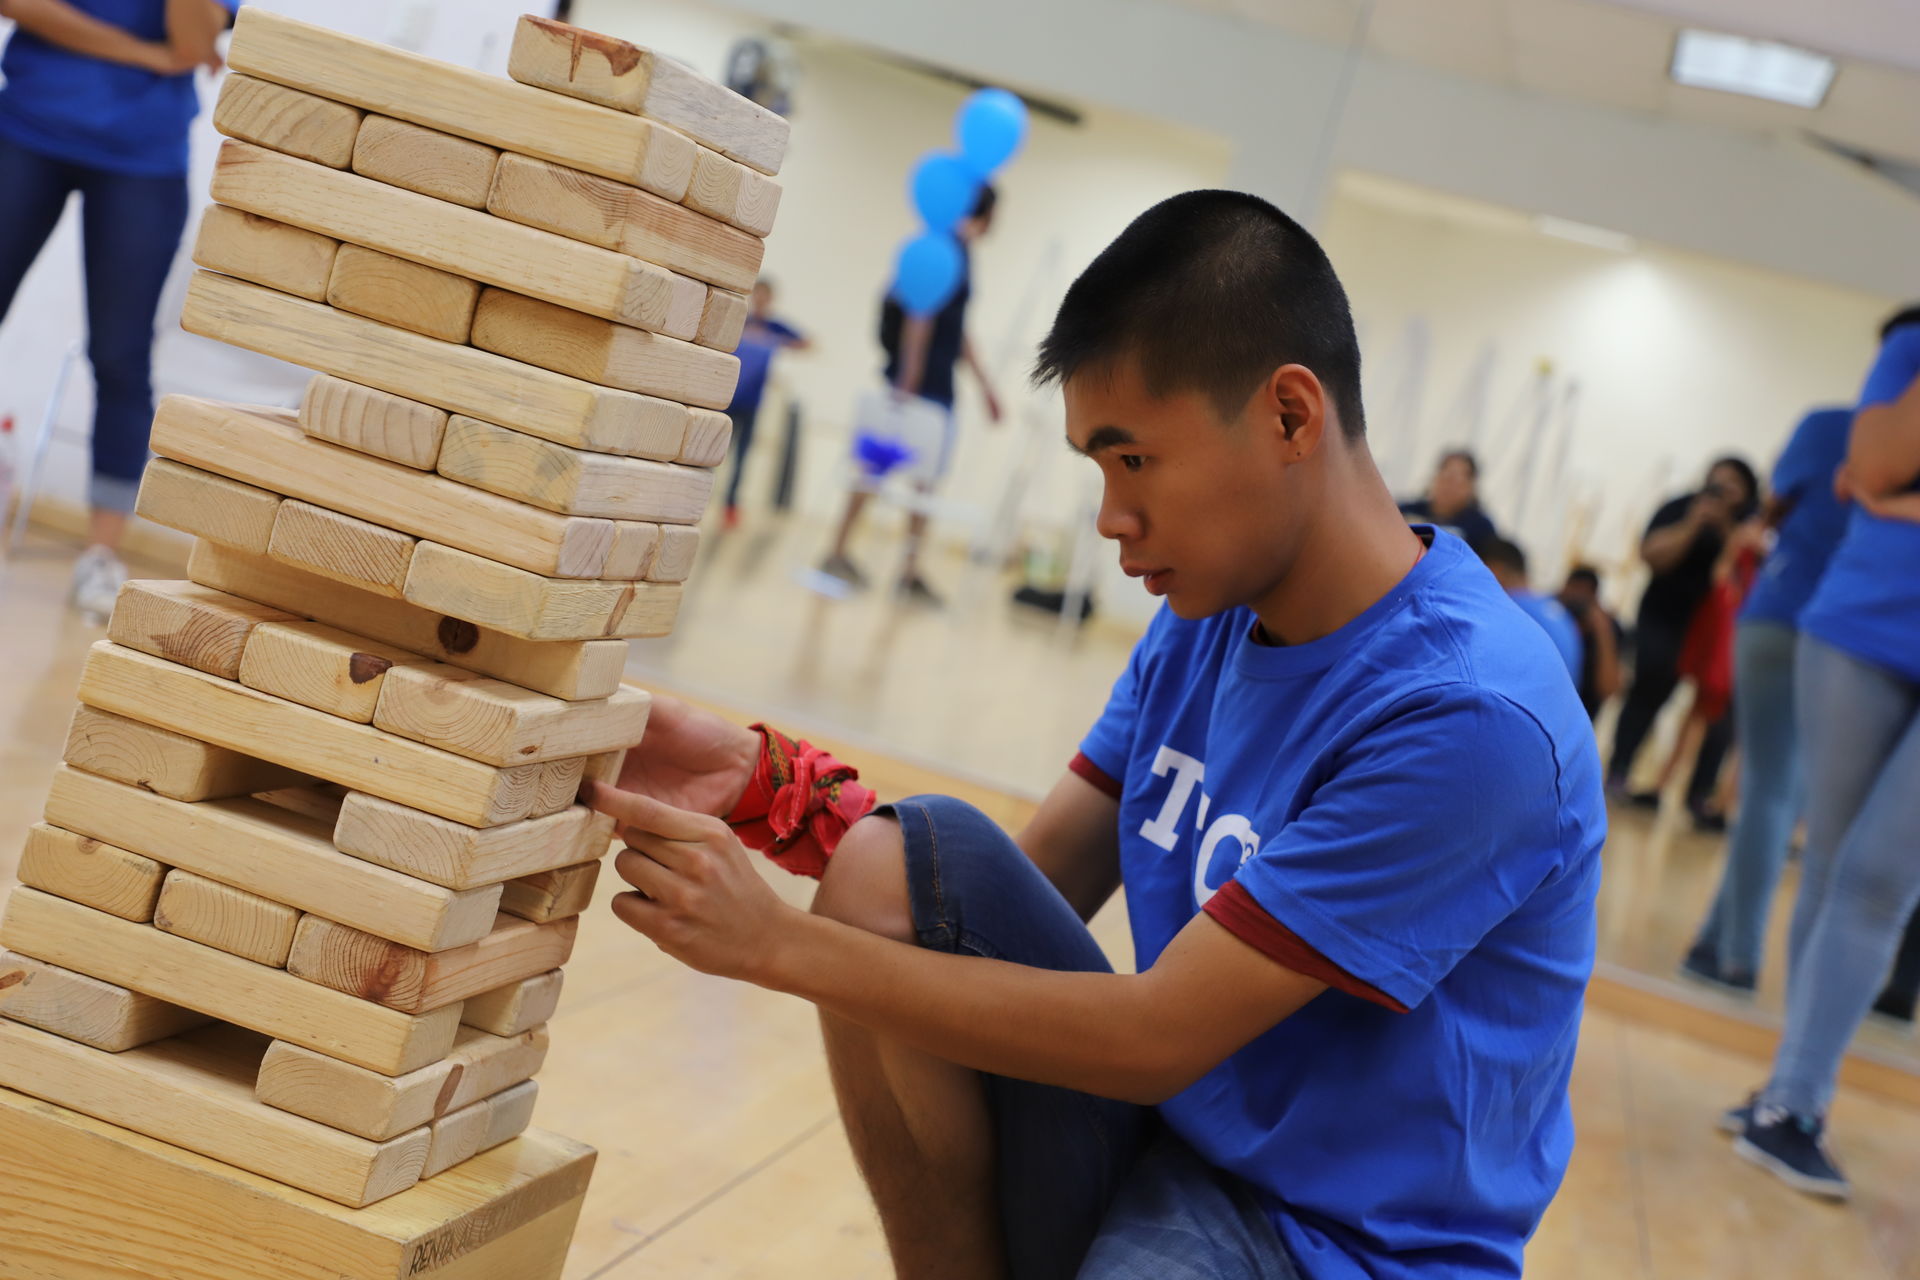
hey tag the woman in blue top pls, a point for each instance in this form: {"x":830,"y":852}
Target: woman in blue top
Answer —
{"x":97,"y":100}
{"x":1857,"y":700}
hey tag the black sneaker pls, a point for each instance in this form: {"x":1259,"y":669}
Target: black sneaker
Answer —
{"x":844,"y":569}
{"x":1644,"y":799}
{"x":1702,"y":965}
{"x":1734,"y":1119}
{"x":1789,"y":1147}
{"x":1707,"y":822}
{"x":915,"y":590}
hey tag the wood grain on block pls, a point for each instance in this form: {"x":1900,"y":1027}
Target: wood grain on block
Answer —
{"x":480,"y":1126}
{"x":395,"y":291}
{"x":275,"y":254}
{"x":320,"y":667}
{"x":758,"y":205}
{"x":533,"y":607}
{"x":321,"y":803}
{"x":487,"y":719}
{"x":270,"y":1001}
{"x":574,"y":481}
{"x":574,"y":670}
{"x":169,"y":763}
{"x":207,"y":506}
{"x":372,"y":421}
{"x":634,"y":546}
{"x":679,"y":544}
{"x":462,"y":857}
{"x":277,"y":854}
{"x":240,"y":923}
{"x":386,"y":973}
{"x":342,"y":547}
{"x":559,"y":786}
{"x":616,"y":355}
{"x":184,"y":622}
{"x":267,"y":446}
{"x":722,"y":321}
{"x":708,"y":439}
{"x":493,"y":388}
{"x":467,"y":242}
{"x":379,"y":1107}
{"x":195,"y":1090}
{"x":425,"y":160}
{"x":359,"y":756}
{"x":515,"y":1007}
{"x":282,"y":119}
{"x":715,"y":188}
{"x":471,"y":104}
{"x":605,"y":767}
{"x":551,"y":895}
{"x":70,"y":1004}
{"x":613,"y":215}
{"x":86,"y":870}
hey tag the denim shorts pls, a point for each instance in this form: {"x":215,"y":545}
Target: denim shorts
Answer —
{"x":1088,"y":1187}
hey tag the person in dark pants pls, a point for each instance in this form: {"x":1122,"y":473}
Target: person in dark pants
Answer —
{"x":1452,"y":500}
{"x":1681,"y":546}
{"x":762,"y":338}
{"x":97,"y":101}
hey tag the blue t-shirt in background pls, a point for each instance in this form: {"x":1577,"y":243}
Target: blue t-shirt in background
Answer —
{"x":1553,"y":618}
{"x":1868,"y":601}
{"x":759,"y":340}
{"x":1806,"y":538}
{"x":87,"y":111}
{"x":1417,"y":797}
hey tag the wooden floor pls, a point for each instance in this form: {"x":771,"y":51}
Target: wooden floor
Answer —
{"x":720,"y":1156}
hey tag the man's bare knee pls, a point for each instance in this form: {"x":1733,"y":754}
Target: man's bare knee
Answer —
{"x":865,"y":884}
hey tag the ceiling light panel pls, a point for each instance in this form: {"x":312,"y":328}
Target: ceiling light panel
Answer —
{"x":1757,"y":68}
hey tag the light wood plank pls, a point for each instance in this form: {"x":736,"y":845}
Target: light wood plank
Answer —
{"x":615,"y":355}
{"x":573,"y":670}
{"x":270,"y":1001}
{"x":709,"y":437}
{"x":275,"y":254}
{"x":283,"y":119}
{"x":551,"y":895}
{"x":96,"y":1013}
{"x":500,"y":723}
{"x":679,"y":545}
{"x":395,"y":291}
{"x":90,"y":871}
{"x":342,"y":547}
{"x":635,"y":545}
{"x":425,"y":160}
{"x":722,"y":321}
{"x":492,"y":388}
{"x":320,"y":802}
{"x":169,"y":763}
{"x":186,"y":623}
{"x":606,"y":766}
{"x":387,"y":973}
{"x":559,"y":785}
{"x":515,"y":1007}
{"x":372,"y":421}
{"x":758,"y":205}
{"x":208,"y":506}
{"x":219,"y":915}
{"x":480,"y":1126}
{"x":462,"y":857}
{"x":321,"y":667}
{"x":277,"y":854}
{"x":715,"y":188}
{"x":533,"y":607}
{"x":573,"y":481}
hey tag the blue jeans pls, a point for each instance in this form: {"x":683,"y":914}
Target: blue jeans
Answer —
{"x":1860,"y":878}
{"x":130,"y":227}
{"x":1770,"y":795}
{"x":1088,"y":1187}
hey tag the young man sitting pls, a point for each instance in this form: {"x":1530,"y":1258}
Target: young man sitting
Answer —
{"x":1345,"y":783}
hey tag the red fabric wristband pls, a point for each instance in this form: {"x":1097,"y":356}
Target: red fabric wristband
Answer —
{"x":798,"y":804}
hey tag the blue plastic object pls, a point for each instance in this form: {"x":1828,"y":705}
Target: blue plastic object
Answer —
{"x":927,"y":272}
{"x":943,"y":189}
{"x":990,"y":127}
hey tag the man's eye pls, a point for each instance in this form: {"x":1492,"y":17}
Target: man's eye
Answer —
{"x":1132,"y":461}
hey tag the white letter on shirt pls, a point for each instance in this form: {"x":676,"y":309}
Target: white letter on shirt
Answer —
{"x":1164,"y":829}
{"x":1230,"y":826}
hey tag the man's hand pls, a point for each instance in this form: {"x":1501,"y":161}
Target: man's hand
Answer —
{"x":1710,"y":510}
{"x":1899,"y":506}
{"x":691,"y":759}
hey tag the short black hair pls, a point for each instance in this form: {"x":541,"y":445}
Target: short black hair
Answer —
{"x":1746,"y":473}
{"x":1466,"y":456}
{"x":1905,"y":316}
{"x":983,"y":201}
{"x":1503,"y":553}
{"x":1584,"y":573}
{"x":1210,"y":291}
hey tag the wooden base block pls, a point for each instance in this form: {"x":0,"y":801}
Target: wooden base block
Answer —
{"x":219,"y":915}
{"x":501,"y":723}
{"x":425,"y":160}
{"x":70,"y":1004}
{"x":207,"y":506}
{"x":188,"y":624}
{"x":412,"y":981}
{"x":376,"y":422}
{"x":534,"y":607}
{"x":275,"y":254}
{"x":575,"y":481}
{"x":462,"y":857}
{"x":516,"y":1007}
{"x":480,"y":1126}
{"x":395,"y":291}
{"x":551,"y":895}
{"x":89,"y":871}
{"x":614,"y":355}
{"x":283,"y":119}
{"x":171,"y":764}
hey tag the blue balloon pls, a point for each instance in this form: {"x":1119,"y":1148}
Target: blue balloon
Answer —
{"x":990,"y":127}
{"x":943,"y":190}
{"x":927,"y":272}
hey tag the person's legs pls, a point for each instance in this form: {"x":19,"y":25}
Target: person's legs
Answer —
{"x":33,"y":193}
{"x":929,"y":479}
{"x":838,"y":563}
{"x":1179,"y":1218}
{"x":1655,"y":673}
{"x":1705,"y":779}
{"x":744,"y":416}
{"x":973,"y":1175}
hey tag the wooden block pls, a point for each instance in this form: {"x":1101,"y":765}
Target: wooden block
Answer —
{"x":559,"y":785}
{"x":279,"y":256}
{"x":615,"y":355}
{"x":634,"y":547}
{"x":722,"y":321}
{"x":371,"y":421}
{"x":575,"y":670}
{"x":270,"y":1001}
{"x":535,"y":607}
{"x":357,"y":552}
{"x":480,"y":1126}
{"x":674,"y":562}
{"x":500,"y":723}
{"x":467,"y":242}
{"x":169,"y":763}
{"x":277,"y":854}
{"x":506,"y":1213}
{"x":89,"y":871}
{"x":551,"y":895}
{"x":463,"y":857}
{"x":284,"y":119}
{"x":86,"y":1009}
{"x":395,"y":291}
{"x":359,"y":756}
{"x":321,"y":803}
{"x":492,"y":388}
{"x":715,"y":188}
{"x":425,"y":160}
{"x":239,"y":923}
{"x":183,"y":622}
{"x":606,"y":766}
{"x":616,"y":216}
{"x":398,"y":977}
{"x":576,"y":481}
{"x":709,"y":437}
{"x":267,"y":446}
{"x":758,"y":205}
{"x":320,"y":667}
{"x":196,"y":1091}
{"x":208,"y":506}
{"x":471,"y":104}
{"x":379,"y":1107}
{"x":516,"y":1007}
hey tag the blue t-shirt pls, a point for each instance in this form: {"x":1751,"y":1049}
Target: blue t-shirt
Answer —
{"x":1868,"y":601}
{"x":1559,"y":626}
{"x":1806,"y":539}
{"x":1418,"y":798}
{"x":88,"y":111}
{"x":759,"y":340}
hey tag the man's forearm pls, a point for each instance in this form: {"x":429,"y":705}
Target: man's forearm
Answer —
{"x":60,"y":23}
{"x":1664,"y":548}
{"x":1883,"y":451}
{"x":192,"y":28}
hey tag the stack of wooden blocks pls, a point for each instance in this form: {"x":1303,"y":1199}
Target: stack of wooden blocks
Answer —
{"x":286,"y":942}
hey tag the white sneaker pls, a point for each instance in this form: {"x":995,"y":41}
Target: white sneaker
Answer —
{"x":97,"y":578}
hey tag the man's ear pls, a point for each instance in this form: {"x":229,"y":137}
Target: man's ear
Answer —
{"x":1297,"y":402}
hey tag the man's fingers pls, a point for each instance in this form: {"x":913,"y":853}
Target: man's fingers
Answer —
{"x":636,"y":912}
{"x":644,"y":813}
{"x":643,"y":871}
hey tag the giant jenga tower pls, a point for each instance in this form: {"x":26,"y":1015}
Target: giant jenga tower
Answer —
{"x":277,"y":974}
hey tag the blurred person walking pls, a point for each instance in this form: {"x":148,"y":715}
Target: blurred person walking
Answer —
{"x":761,"y":339}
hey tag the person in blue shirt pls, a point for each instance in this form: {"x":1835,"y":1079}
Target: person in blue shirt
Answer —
{"x":760,"y":340}
{"x":1857,"y":706}
{"x":1452,"y":500}
{"x":1508,"y":564}
{"x":97,"y":100}
{"x":1346,"y":786}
